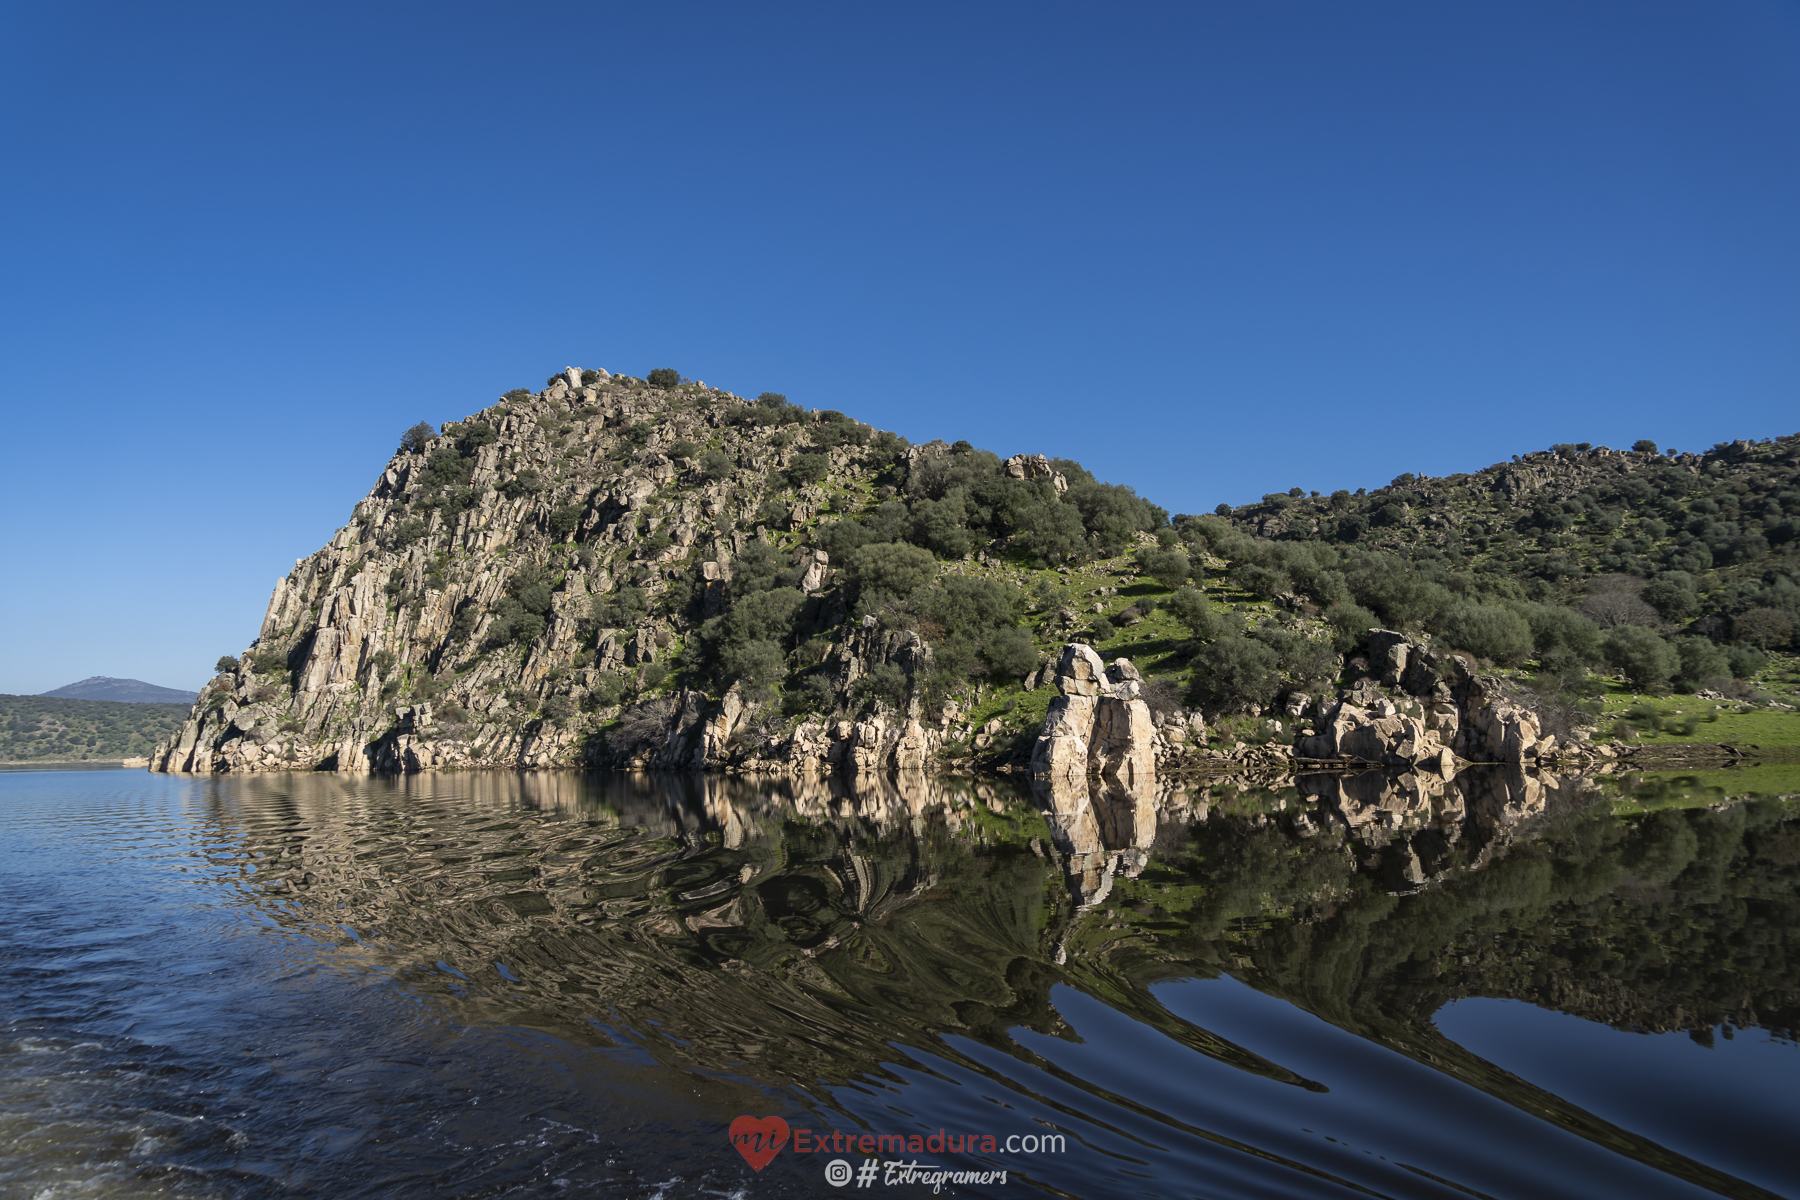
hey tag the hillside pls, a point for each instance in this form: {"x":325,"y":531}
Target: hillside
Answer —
{"x":51,"y":729}
{"x":128,"y":691}
{"x":615,"y":570}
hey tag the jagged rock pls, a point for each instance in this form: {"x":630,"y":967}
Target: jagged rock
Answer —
{"x":1097,"y":725}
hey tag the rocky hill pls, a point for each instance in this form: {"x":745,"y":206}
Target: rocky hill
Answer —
{"x":615,"y":571}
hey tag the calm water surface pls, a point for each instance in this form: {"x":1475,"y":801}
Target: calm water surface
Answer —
{"x":566,"y":985}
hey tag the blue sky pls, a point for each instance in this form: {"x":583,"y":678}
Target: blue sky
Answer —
{"x":1210,"y":250}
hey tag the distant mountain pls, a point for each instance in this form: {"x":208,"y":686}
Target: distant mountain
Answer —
{"x":125,"y":691}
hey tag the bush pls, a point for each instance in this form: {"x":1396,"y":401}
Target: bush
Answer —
{"x":1234,"y":673}
{"x":226,"y":663}
{"x":1168,"y":567}
{"x":414,"y":440}
{"x":563,"y":521}
{"x":1352,"y":623}
{"x":1563,"y":638}
{"x":716,"y":464}
{"x":559,"y":708}
{"x":269,"y":662}
{"x":1673,"y":597}
{"x":1701,"y":664}
{"x":1265,"y":583}
{"x":607,"y":691}
{"x":681,"y":449}
{"x":527,"y":482}
{"x":1190,"y":607}
{"x":808,"y":468}
{"x":1647,"y":661}
{"x":1764,"y":628}
{"x":406,"y":533}
{"x":884,"y":682}
{"x":468,"y":617}
{"x":1489,"y":631}
{"x":663,"y":377}
{"x":1052,"y":531}
{"x":1745,"y":661}
{"x":885,"y":571}
{"x":444,"y":467}
{"x":839,"y":538}
{"x":621,"y":608}
{"x":1644,"y":446}
{"x":643,"y":724}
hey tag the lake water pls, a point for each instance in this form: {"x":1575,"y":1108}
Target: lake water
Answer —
{"x":565,"y":985}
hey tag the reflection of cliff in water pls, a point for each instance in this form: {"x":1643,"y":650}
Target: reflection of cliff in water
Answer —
{"x":795,"y":931}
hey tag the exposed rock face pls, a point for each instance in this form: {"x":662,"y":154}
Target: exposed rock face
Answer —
{"x":1418,"y":708}
{"x":387,"y":650}
{"x":1098,"y":726}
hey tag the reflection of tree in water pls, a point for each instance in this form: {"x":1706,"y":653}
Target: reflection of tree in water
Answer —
{"x":794,"y":931}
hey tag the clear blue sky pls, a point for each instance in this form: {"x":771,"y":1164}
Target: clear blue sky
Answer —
{"x":1210,"y":250}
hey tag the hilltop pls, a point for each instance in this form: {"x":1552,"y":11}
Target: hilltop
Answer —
{"x":127,"y":691}
{"x":614,"y":571}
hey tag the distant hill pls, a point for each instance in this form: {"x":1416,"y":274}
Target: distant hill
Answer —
{"x":51,"y":729}
{"x":124,"y":691}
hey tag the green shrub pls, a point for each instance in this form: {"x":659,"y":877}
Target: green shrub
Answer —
{"x":563,"y":521}
{"x":1352,"y":623}
{"x":445,"y":467}
{"x":607,"y":691}
{"x":621,"y":608}
{"x":716,"y":464}
{"x":467,"y":618}
{"x":1562,"y":637}
{"x":1673,"y":597}
{"x":681,"y":449}
{"x":1489,"y":631}
{"x":1190,"y":607}
{"x":269,"y":662}
{"x":526,"y":483}
{"x":663,"y":377}
{"x":886,"y":571}
{"x":1702,"y":664}
{"x":1746,"y":661}
{"x":1647,"y":661}
{"x":226,"y":663}
{"x":1233,"y":673}
{"x":808,"y":468}
{"x":1265,"y":583}
{"x":1764,"y":628}
{"x":1168,"y":567}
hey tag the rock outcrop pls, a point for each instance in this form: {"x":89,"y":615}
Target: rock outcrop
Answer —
{"x":1098,"y":725}
{"x":1414,"y":707}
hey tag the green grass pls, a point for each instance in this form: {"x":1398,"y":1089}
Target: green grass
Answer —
{"x":1654,"y":790}
{"x":1765,"y":728}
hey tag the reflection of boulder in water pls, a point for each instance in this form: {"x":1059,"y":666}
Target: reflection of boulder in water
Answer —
{"x":1419,"y":826}
{"x":1106,"y":828}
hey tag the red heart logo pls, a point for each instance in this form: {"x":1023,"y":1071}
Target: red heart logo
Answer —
{"x":759,"y":1139}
